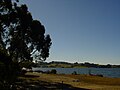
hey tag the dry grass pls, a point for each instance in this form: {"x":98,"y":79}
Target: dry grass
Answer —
{"x":59,"y":65}
{"x":96,"y":79}
{"x":79,"y":81}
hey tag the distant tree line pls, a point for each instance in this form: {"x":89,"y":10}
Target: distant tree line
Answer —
{"x":72,"y":65}
{"x":87,"y":64}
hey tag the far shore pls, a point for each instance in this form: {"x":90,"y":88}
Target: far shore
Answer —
{"x":58,"y":64}
{"x":68,"y":82}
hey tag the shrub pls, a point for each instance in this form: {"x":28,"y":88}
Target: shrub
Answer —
{"x":53,"y":71}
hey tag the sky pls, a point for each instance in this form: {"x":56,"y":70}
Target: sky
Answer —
{"x":81,"y":30}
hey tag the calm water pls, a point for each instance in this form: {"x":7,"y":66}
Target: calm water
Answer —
{"x":106,"y":72}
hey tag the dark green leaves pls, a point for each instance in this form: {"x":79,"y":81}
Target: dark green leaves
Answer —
{"x":21,"y":40}
{"x":21,"y":35}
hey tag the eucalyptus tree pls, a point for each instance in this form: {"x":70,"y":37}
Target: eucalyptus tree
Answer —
{"x":21,"y":38}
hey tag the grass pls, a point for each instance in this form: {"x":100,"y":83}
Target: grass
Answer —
{"x":35,"y":81}
{"x":59,"y":65}
{"x":96,"y":79}
{"x":68,"y":82}
{"x":65,"y":66}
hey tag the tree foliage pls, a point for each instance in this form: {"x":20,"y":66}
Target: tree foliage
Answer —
{"x":21,"y":39}
{"x":20,"y":35}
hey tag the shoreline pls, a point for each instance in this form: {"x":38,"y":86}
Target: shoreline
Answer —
{"x":103,"y":72}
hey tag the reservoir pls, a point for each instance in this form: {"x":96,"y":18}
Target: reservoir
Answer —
{"x":106,"y":72}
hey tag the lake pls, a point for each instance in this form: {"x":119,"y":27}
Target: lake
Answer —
{"x":106,"y":72}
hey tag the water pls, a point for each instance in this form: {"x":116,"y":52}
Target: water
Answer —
{"x":106,"y":72}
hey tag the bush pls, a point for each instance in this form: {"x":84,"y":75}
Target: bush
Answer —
{"x":53,"y":71}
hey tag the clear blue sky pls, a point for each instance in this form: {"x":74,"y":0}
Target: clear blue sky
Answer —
{"x":81,"y":30}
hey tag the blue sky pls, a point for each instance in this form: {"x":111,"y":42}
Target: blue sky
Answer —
{"x":81,"y":30}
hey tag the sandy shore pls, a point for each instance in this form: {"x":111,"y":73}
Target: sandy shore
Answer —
{"x":71,"y":82}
